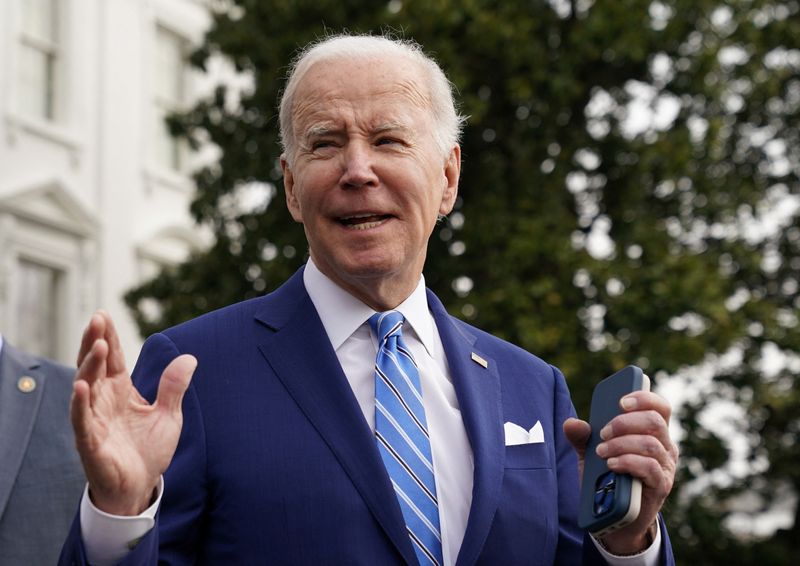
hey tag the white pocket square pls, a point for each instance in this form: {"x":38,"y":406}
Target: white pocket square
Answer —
{"x":515,"y":434}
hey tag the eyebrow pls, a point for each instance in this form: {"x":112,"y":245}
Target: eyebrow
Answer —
{"x":390,"y":127}
{"x":324,"y":130}
{"x":321,"y":130}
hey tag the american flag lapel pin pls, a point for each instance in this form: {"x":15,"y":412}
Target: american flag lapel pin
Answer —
{"x":479,"y":360}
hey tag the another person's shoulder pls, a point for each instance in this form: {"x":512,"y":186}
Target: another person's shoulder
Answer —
{"x":44,"y":376}
{"x":40,"y":364}
{"x":60,"y":376}
{"x":56,"y":368}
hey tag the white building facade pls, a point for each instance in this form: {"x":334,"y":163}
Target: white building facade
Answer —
{"x":94,"y":193}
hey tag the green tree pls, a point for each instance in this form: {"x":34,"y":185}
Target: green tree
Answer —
{"x":628,"y":195}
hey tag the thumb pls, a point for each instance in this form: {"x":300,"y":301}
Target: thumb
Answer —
{"x":174,"y":382}
{"x":577,"y":432}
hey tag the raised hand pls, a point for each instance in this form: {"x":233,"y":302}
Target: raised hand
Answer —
{"x":636,"y":442}
{"x":125,"y":443}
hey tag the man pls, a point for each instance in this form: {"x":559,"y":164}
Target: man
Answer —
{"x":314,"y":431}
{"x":40,"y":473}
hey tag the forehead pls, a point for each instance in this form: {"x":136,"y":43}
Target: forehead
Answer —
{"x":388,"y":88}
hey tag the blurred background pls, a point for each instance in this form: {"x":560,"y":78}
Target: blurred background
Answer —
{"x":629,"y":194}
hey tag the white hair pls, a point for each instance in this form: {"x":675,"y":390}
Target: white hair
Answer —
{"x":448,"y":123}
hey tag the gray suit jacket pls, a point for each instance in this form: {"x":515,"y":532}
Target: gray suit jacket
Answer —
{"x":41,"y":479}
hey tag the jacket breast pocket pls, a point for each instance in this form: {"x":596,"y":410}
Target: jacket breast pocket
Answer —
{"x":528,"y":456}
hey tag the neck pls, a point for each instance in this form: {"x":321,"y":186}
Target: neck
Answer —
{"x":381,"y":293}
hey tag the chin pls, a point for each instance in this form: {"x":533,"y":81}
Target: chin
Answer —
{"x":372,"y":268}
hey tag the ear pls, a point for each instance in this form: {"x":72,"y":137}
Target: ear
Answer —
{"x":452,"y":172}
{"x":292,"y":202}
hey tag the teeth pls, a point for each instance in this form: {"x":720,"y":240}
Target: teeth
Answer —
{"x":357,"y":216}
{"x":365,"y":225}
{"x":362,"y":221}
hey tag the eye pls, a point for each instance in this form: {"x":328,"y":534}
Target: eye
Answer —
{"x":321,"y":144}
{"x":387,"y":141}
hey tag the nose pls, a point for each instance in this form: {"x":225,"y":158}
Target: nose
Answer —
{"x":357,"y":166}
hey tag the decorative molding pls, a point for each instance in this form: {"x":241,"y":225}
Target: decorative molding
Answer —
{"x":170,"y":245}
{"x":52,"y":132}
{"x":50,"y":203}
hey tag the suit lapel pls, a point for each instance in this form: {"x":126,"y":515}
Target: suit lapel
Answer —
{"x":478,"y":391}
{"x":18,"y":412}
{"x":319,"y":387}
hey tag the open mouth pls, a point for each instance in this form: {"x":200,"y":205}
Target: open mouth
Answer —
{"x":363,"y":221}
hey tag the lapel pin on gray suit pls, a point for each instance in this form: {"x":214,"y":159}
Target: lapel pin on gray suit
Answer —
{"x":41,"y":478}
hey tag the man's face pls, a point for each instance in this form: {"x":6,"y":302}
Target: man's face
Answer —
{"x":367,"y":179}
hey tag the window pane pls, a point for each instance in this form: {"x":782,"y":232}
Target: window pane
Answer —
{"x":36,"y":77}
{"x":39,"y":19}
{"x":38,"y":51}
{"x":37,"y":309}
{"x":169,"y":74}
{"x":169,"y":67}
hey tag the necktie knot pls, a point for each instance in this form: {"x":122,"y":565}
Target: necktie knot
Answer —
{"x":386,"y":324}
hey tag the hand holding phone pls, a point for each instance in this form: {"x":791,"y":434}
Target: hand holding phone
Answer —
{"x":609,"y":500}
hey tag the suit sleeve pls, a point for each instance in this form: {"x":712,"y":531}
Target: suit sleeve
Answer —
{"x":570,"y":536}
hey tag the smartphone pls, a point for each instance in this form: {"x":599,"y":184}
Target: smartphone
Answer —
{"x":609,"y":500}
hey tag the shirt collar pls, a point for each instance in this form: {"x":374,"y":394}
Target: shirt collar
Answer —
{"x":342,"y":314}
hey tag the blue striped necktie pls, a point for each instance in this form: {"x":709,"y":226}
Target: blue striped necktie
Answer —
{"x":401,"y":431}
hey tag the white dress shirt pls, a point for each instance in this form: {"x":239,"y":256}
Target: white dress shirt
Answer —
{"x":345,"y":320}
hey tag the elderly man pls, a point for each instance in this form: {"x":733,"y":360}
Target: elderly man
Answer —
{"x":346,"y":418}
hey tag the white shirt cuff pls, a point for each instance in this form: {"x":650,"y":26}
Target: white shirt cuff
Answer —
{"x":108,"y":538}
{"x":648,"y":557}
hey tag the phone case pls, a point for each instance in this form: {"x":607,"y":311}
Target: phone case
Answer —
{"x":609,"y":500}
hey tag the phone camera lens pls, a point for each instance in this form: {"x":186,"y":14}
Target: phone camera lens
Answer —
{"x":604,"y":493}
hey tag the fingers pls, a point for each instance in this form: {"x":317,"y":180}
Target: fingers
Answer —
{"x":94,"y":330}
{"x":637,"y":442}
{"x":645,"y":414}
{"x":80,"y":413}
{"x":649,"y":470}
{"x":174,"y":382}
{"x":90,"y":371}
{"x":102,"y":326}
{"x":639,"y":400}
{"x":116,"y":358}
{"x":644,"y":423}
{"x":650,"y":462}
{"x":94,"y":363}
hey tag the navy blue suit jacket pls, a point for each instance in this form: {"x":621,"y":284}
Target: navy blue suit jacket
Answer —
{"x":277,"y":465}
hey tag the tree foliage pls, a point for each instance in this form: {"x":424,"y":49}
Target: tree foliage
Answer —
{"x":628,"y":195}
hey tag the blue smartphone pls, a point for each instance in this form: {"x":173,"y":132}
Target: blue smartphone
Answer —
{"x":609,"y":500}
